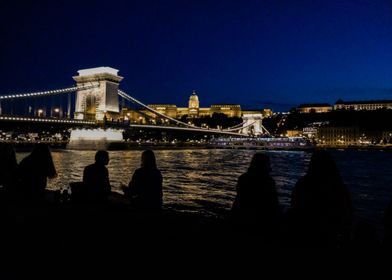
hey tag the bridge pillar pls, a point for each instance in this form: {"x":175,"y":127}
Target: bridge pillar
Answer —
{"x":101,"y":101}
{"x":253,"y":124}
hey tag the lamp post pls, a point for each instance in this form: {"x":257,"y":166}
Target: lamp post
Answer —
{"x":56,"y":112}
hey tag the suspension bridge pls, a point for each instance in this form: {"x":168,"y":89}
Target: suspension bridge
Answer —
{"x":99,"y":100}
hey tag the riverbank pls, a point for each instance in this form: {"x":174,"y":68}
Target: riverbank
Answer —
{"x":124,"y":145}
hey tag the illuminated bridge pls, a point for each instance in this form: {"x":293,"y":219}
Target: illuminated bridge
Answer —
{"x":98,"y":100}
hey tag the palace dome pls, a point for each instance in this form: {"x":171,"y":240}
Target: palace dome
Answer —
{"x":194,"y":97}
{"x":194,"y":100}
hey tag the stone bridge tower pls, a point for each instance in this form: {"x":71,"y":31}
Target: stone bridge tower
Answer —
{"x":100,"y":101}
{"x":253,"y":124}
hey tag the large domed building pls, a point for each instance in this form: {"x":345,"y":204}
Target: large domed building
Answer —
{"x":193,"y":105}
{"x":194,"y":111}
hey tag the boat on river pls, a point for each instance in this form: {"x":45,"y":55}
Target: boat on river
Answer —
{"x":262,"y":143}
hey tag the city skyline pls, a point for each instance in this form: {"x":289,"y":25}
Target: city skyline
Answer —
{"x":260,"y":54}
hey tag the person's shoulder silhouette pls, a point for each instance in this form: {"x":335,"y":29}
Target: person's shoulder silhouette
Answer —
{"x":320,"y":201}
{"x":35,"y":169}
{"x":145,"y":187}
{"x":256,"y":191}
{"x":96,"y":178}
{"x":322,"y":186}
{"x":388,"y":226}
{"x":8,"y":168}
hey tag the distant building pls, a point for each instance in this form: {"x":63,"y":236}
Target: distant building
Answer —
{"x":387,"y":137}
{"x":338,"y":136}
{"x":193,"y":105}
{"x":267,"y":112}
{"x":230,"y":110}
{"x":169,"y":110}
{"x":294,"y":133}
{"x":133,"y":116}
{"x":314,"y":108}
{"x":264,"y":112}
{"x":194,"y":111}
{"x":310,"y":132}
{"x":363,"y":105}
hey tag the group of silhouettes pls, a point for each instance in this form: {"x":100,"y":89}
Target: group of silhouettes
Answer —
{"x":27,"y":181}
{"x":321,"y":210}
{"x":144,"y":190}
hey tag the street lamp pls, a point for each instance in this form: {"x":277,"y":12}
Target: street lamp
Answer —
{"x":56,"y":112}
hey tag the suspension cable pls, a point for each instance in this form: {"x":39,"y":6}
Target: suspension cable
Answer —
{"x":47,"y":93}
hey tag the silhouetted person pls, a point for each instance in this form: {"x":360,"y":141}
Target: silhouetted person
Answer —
{"x":321,"y":208}
{"x":388,"y":226}
{"x":8,"y":170}
{"x":256,"y":203}
{"x":34,"y":171}
{"x":96,"y":178}
{"x":145,"y":187}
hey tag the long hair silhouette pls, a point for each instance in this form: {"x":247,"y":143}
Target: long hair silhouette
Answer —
{"x":148,"y":159}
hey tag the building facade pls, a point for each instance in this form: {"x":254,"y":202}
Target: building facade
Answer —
{"x":230,"y":110}
{"x":363,"y":105}
{"x":338,"y":136}
{"x":314,"y":108}
{"x":195,"y":111}
{"x":169,"y":110}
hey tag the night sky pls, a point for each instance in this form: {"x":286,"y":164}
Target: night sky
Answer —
{"x":274,"y":54}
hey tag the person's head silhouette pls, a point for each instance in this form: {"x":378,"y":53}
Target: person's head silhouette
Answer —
{"x":7,"y":155}
{"x":260,"y":164}
{"x":322,"y":165}
{"x":42,"y":159}
{"x":41,"y":151}
{"x":148,"y":159}
{"x":102,"y":157}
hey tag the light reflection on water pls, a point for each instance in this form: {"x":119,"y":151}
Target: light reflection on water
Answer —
{"x":204,"y":180}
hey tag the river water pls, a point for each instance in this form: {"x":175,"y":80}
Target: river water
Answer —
{"x":203,"y":180}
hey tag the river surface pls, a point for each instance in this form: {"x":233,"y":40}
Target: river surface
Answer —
{"x":203,"y":180}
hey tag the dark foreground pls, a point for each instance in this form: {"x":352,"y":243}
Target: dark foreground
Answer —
{"x":68,"y":227}
{"x":58,"y":228}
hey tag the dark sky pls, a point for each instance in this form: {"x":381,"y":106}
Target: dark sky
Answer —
{"x":256,"y":53}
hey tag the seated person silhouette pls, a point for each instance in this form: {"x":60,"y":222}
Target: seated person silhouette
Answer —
{"x":145,"y":188}
{"x":34,"y":171}
{"x":8,"y":170}
{"x":321,"y":211}
{"x":96,"y":178}
{"x":256,"y":202}
{"x":388,"y":226}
